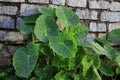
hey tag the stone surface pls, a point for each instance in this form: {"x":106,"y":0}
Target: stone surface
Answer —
{"x":5,"y":57}
{"x":87,"y":14}
{"x":115,"y":6}
{"x":2,"y":35}
{"x":110,"y":16}
{"x":59,"y":2}
{"x":12,"y":36}
{"x":98,"y":4}
{"x":28,"y":9}
{"x":6,"y":53}
{"x":90,"y":37}
{"x":15,"y":36}
{"x":102,"y":35}
{"x":113,"y":26}
{"x":13,"y":0}
{"x":97,"y":27}
{"x":19,"y":22}
{"x":6,"y":22}
{"x":12,"y":49}
{"x":77,"y":3}
{"x":38,"y":1}
{"x":9,"y":10}
{"x":53,"y":6}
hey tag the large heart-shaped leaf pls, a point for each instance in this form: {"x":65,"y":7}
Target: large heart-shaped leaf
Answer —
{"x":26,"y":29}
{"x":31,"y":19}
{"x":64,"y":45}
{"x":25,"y":59}
{"x":66,"y":16}
{"x":45,"y":28}
{"x":114,"y":35}
{"x":48,"y":11}
{"x":79,"y":31}
{"x":106,"y":69}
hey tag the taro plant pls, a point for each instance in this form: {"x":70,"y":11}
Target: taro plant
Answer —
{"x":57,"y":50}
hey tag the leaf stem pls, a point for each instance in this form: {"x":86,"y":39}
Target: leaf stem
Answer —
{"x":33,"y":38}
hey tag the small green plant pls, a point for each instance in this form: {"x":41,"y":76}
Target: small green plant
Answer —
{"x":60,"y":53}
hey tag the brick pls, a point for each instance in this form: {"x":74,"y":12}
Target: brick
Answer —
{"x":6,"y":22}
{"x":6,"y":53}
{"x":15,"y":36}
{"x":53,"y":6}
{"x":2,"y":35}
{"x":101,"y":27}
{"x":110,"y":16}
{"x":59,"y":2}
{"x":115,"y":6}
{"x":77,"y":3}
{"x":12,"y":49}
{"x":38,"y":1}
{"x":90,"y":37}
{"x":98,"y":4}
{"x":102,"y":35}
{"x":87,"y":14}
{"x":113,"y":26}
{"x":28,"y":9}
{"x":12,"y":0}
{"x":97,"y":27}
{"x":12,"y":36}
{"x":19,"y":22}
{"x":94,"y":15}
{"x":9,"y":10}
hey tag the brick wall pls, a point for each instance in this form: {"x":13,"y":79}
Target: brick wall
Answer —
{"x":101,"y":16}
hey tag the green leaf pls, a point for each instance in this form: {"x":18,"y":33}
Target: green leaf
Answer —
{"x":61,"y":76}
{"x":78,"y":31}
{"x":114,"y":35}
{"x":31,"y":19}
{"x":45,"y":28}
{"x":66,"y":16}
{"x":92,"y":74}
{"x":106,"y":50}
{"x":118,"y":70}
{"x":96,"y":62}
{"x":3,"y":74}
{"x":103,"y":41}
{"x":48,"y":11}
{"x":106,"y":69}
{"x":46,"y":51}
{"x":44,"y":73}
{"x":111,"y":53}
{"x":59,"y":61}
{"x":34,"y":78}
{"x":72,"y":64}
{"x":25,"y":58}
{"x":118,"y":60}
{"x":87,"y":63}
{"x":26,"y":29}
{"x":98,"y":48}
{"x":84,"y":44}
{"x":78,"y":77}
{"x":64,"y":45}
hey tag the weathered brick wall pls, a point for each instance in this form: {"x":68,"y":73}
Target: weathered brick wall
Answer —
{"x":101,"y":16}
